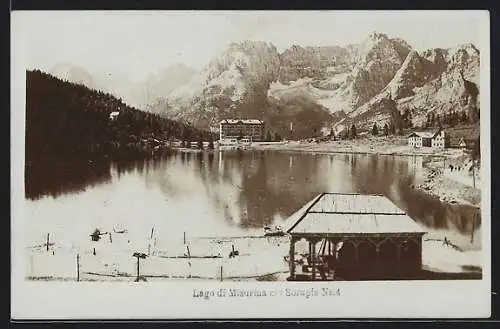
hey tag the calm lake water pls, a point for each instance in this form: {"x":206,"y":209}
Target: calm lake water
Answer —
{"x":224,"y":193}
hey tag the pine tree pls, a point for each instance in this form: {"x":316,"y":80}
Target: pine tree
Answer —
{"x":464,"y":119}
{"x":353,"y":131}
{"x":386,"y":129}
{"x":393,"y":128}
{"x":476,"y":115}
{"x":210,"y":142}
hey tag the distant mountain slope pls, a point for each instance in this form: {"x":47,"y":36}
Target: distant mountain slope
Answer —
{"x":236,"y":84}
{"x":380,"y":80}
{"x":138,"y":94}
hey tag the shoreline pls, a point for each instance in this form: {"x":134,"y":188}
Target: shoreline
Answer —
{"x":436,"y":183}
{"x":376,"y":146}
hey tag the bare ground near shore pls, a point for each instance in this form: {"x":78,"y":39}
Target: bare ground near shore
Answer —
{"x":391,"y":145}
{"x":439,"y":184}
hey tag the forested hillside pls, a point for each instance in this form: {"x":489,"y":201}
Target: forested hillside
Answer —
{"x":68,"y":120}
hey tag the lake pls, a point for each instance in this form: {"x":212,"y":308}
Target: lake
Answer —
{"x":230,"y":193}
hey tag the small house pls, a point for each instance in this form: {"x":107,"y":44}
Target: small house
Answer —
{"x":427,"y":139}
{"x":114,"y":115}
{"x":462,"y":144}
{"x":438,"y":139}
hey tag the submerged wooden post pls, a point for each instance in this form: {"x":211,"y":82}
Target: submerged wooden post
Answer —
{"x":77,"y":267}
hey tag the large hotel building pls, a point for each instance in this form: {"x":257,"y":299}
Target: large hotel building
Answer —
{"x":249,"y":130}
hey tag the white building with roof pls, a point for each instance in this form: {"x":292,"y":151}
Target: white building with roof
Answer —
{"x":427,"y":139}
{"x":235,"y":130}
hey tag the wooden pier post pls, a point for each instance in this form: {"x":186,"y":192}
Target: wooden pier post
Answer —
{"x":221,"y":277}
{"x":313,"y":258}
{"x":292,"y":259}
{"x":138,"y":270}
{"x":48,"y":240}
{"x":184,"y":237}
{"x":77,"y":267}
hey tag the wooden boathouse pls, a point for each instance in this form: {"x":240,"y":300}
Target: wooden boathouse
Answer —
{"x":355,"y":237}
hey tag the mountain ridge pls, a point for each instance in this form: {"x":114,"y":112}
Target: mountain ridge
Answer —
{"x":374,"y":81}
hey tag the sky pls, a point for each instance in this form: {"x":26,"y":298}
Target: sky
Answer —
{"x":136,"y":44}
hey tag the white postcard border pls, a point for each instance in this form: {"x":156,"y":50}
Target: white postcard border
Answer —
{"x":175,"y":299}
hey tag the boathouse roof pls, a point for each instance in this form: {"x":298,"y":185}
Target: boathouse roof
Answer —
{"x":341,"y":213}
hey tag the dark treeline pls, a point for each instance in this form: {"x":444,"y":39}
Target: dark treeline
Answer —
{"x":452,"y":118}
{"x":70,"y":121}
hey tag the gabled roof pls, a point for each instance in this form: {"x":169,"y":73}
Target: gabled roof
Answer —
{"x":247,"y":121}
{"x":425,"y":134}
{"x":340,"y":213}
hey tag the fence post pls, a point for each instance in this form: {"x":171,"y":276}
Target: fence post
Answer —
{"x":77,"y":267}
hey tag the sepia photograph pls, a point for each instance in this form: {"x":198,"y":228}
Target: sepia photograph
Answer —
{"x":255,"y":153}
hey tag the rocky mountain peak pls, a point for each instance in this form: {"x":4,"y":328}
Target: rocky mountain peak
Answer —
{"x":465,"y":58}
{"x":380,"y":59}
{"x":377,"y":36}
{"x":365,"y":83}
{"x":410,"y":75}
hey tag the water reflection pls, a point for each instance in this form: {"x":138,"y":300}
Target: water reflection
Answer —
{"x":241,"y":190}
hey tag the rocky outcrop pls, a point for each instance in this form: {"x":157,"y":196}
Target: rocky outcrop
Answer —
{"x":380,"y":59}
{"x":314,"y":62}
{"x":373,"y":81}
{"x":233,"y":84}
{"x":438,"y":80}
